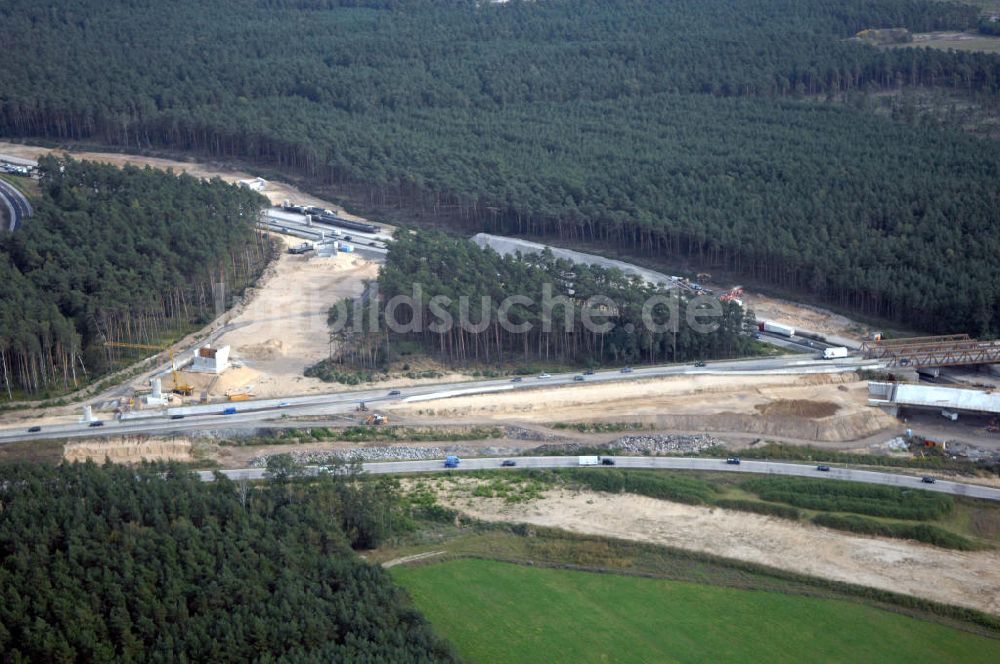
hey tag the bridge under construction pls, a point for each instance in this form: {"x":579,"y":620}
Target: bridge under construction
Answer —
{"x":924,"y":352}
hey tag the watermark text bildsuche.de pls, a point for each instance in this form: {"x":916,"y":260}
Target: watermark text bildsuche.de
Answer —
{"x":663,"y":312}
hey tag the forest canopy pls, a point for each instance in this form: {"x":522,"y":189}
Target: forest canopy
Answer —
{"x":469,"y":304}
{"x":726,"y":133}
{"x":103,"y":564}
{"x":115,"y":255}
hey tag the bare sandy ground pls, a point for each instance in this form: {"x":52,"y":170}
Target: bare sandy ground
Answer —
{"x":132,"y":450}
{"x":284,"y":328}
{"x":969,"y":579}
{"x":819,"y":407}
{"x":804,"y":317}
{"x":275,"y":191}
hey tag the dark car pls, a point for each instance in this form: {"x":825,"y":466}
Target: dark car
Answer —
{"x":823,"y":469}
{"x":627,"y":370}
{"x":733,"y":461}
{"x":34,"y":429}
{"x":507,"y":463}
{"x":177,"y":417}
{"x":578,"y":378}
{"x":607,"y":461}
{"x":699,"y":363}
{"x":588,"y":372}
{"x":348,"y":237}
{"x":96,"y":423}
{"x":394,"y":393}
{"x":516,"y":379}
{"x":928,"y":480}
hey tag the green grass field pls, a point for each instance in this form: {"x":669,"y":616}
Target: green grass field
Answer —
{"x":500,"y":612}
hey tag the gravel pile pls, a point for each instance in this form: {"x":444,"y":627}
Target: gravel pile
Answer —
{"x":665,"y":444}
{"x":321,"y":457}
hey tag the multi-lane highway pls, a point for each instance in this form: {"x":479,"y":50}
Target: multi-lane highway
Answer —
{"x":18,"y":206}
{"x":659,"y":463}
{"x":255,"y":413}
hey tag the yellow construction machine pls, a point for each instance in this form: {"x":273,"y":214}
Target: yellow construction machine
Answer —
{"x":180,"y":388}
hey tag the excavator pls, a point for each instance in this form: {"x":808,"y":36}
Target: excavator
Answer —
{"x":180,"y":388}
{"x":376,"y":419}
{"x":240,"y":394}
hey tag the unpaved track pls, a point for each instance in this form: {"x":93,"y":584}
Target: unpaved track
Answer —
{"x":284,"y":329}
{"x":969,"y":579}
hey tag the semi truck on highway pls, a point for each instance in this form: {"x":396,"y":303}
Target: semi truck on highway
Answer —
{"x":288,"y":206}
{"x":834,"y":353}
{"x":775,"y":328}
{"x":332,"y":219}
{"x":589,"y":461}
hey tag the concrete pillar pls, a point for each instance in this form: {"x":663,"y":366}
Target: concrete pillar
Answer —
{"x":88,"y":414}
{"x":157,"y":388}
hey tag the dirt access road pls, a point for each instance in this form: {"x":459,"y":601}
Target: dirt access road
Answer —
{"x":961,"y":578}
{"x":279,"y":329}
{"x":275,"y":191}
{"x":283,"y":329}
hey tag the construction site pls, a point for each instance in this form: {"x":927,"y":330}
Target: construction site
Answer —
{"x":234,"y":395}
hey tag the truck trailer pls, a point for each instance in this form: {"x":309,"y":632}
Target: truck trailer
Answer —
{"x":589,"y":461}
{"x":834,"y":353}
{"x":775,"y":328}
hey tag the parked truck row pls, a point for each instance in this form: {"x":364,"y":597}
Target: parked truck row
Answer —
{"x":323,"y":216}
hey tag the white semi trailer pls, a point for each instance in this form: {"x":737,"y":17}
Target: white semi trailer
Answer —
{"x":834,"y":353}
{"x":775,"y":328}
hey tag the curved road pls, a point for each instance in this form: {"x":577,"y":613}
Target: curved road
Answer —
{"x":17,"y":203}
{"x":661,"y":463}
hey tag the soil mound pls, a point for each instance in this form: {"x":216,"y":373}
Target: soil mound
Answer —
{"x":798,"y":408}
{"x":268,"y":350}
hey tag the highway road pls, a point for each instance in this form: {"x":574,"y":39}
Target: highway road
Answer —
{"x":17,"y":204}
{"x":659,"y":463}
{"x":255,"y":413}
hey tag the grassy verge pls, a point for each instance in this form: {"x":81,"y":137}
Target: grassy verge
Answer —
{"x":937,"y":519}
{"x":788,"y":452}
{"x":547,"y":547}
{"x":835,"y":496}
{"x":495,"y":611}
{"x":602,"y":427}
{"x":32,"y":451}
{"x":371,"y":434}
{"x":27,"y":186}
{"x":922,"y":532}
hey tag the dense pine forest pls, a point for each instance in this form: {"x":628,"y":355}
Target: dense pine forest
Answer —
{"x":117,"y":256}
{"x":724,"y":132}
{"x":594,"y":315}
{"x":124,"y":564}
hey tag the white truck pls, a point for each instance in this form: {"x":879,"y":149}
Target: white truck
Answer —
{"x":775,"y":328}
{"x":834,"y":353}
{"x":589,"y":461}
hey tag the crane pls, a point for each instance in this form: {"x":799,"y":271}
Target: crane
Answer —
{"x":182,"y":389}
